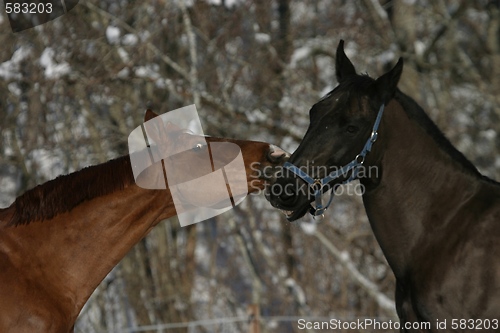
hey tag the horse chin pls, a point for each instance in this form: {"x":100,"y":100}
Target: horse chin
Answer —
{"x":293,"y":209}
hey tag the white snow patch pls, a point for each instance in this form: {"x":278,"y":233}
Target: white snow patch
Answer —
{"x":124,"y":73}
{"x":299,"y":54}
{"x":228,"y":3}
{"x":161,"y":83}
{"x":255,"y":115}
{"x":130,"y":39}
{"x":52,"y":69}
{"x":350,"y":50}
{"x":308,"y":228}
{"x":463,"y":119}
{"x":8,"y":186}
{"x":297,"y":290}
{"x":286,"y":103}
{"x":123,"y":54}
{"x":146,"y":72}
{"x":14,"y":88}
{"x":48,"y":163}
{"x":202,"y":254}
{"x":144,"y":35}
{"x":386,"y":57}
{"x":262,"y":38}
{"x":289,"y":144}
{"x":419,"y":47}
{"x":344,"y":255}
{"x":272,"y":324}
{"x":325,"y":91}
{"x":10,"y":68}
{"x":489,"y":134}
{"x":187,"y":3}
{"x":113,"y":34}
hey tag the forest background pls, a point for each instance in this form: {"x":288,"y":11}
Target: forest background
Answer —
{"x":73,"y":89}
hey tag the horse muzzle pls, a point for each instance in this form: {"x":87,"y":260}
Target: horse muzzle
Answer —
{"x":290,"y":195}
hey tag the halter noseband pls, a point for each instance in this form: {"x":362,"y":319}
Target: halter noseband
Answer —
{"x":316,"y":184}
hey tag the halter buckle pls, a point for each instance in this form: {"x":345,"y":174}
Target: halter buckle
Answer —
{"x":322,"y":216}
{"x":360,"y":159}
{"x":316,"y":186}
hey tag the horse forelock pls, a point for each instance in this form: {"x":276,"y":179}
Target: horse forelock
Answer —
{"x":64,"y":193}
{"x":351,"y":91}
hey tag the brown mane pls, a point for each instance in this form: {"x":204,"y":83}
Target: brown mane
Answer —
{"x":64,"y":193}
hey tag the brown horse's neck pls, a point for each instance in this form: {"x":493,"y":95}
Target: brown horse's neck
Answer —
{"x":68,"y":255}
{"x":59,"y":240}
{"x":422,"y":182}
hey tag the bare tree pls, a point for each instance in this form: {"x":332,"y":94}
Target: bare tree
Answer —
{"x":74,"y":88}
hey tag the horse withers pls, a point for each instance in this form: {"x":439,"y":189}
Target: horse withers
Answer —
{"x":436,"y":218}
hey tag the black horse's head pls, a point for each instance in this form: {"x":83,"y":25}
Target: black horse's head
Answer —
{"x":340,"y":127}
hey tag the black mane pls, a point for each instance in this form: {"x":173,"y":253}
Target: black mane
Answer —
{"x":416,"y":113}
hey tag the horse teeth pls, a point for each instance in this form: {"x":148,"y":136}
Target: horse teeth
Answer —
{"x":288,"y":213}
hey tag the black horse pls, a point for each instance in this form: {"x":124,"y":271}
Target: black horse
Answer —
{"x":436,"y":218}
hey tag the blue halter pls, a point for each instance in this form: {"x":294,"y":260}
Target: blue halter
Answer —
{"x":317,"y":184}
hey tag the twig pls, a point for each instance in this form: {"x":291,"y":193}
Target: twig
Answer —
{"x":344,"y":259}
{"x":193,"y":72}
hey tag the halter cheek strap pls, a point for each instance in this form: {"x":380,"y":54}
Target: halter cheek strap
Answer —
{"x":316,"y":185}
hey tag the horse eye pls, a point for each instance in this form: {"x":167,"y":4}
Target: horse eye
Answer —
{"x":352,"y":129}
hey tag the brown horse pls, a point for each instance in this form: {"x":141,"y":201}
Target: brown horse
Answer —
{"x":436,"y":218}
{"x":60,"y":239}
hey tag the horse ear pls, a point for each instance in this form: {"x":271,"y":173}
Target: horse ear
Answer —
{"x":343,"y":66}
{"x":386,"y":85}
{"x":149,"y":115}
